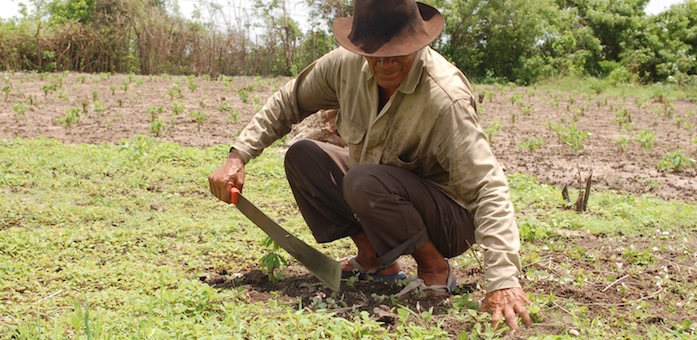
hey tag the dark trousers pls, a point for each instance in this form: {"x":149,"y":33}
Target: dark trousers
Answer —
{"x":398,"y":211}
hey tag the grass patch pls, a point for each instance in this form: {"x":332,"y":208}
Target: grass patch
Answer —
{"x":107,"y":241}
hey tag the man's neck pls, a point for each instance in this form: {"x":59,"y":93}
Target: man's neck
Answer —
{"x":384,"y":96}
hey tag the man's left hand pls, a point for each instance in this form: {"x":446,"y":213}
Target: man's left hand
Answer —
{"x":507,"y":303}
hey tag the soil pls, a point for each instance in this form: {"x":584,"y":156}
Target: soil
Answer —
{"x":130,"y":106}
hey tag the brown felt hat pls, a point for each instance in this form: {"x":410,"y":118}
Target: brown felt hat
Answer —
{"x":388,"y":28}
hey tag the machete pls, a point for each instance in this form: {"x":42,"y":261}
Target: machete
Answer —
{"x":324,"y":268}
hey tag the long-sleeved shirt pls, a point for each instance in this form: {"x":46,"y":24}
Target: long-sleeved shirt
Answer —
{"x":429,"y":127}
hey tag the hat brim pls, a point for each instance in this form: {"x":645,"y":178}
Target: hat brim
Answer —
{"x":399,"y":45}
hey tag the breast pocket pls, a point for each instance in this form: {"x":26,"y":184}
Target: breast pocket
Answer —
{"x":354,"y":135}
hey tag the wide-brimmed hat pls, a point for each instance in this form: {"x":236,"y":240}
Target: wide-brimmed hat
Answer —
{"x":388,"y":28}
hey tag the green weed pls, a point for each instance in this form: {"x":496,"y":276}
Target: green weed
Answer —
{"x":675,"y":161}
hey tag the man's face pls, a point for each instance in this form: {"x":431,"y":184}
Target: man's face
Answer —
{"x":390,"y":71}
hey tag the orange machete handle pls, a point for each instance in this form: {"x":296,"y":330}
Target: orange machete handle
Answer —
{"x":234,"y":195}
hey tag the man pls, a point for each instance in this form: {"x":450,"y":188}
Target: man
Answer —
{"x":418,"y":176}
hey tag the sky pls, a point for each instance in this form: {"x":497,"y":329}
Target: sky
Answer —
{"x":10,"y":8}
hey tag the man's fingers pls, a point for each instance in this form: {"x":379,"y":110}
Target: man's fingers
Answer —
{"x":511,"y":318}
{"x":524,"y":314}
{"x":496,"y":315}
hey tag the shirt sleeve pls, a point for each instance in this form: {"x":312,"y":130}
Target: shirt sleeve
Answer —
{"x":311,"y":91}
{"x":479,"y":181}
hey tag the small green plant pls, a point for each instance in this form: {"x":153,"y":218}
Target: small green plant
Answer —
{"x":224,"y":106}
{"x":81,"y":79}
{"x":623,"y":143}
{"x":154,"y":111}
{"x":95,"y":95}
{"x":492,"y":130}
{"x":570,"y":135}
{"x":272,"y":261}
{"x":85,"y":104}
{"x":199,"y":117}
{"x":234,"y":116}
{"x":646,"y":138}
{"x":532,"y":144}
{"x":675,"y":162}
{"x":7,"y":89}
{"x":98,"y":106}
{"x":49,"y":88}
{"x":158,"y":127}
{"x":177,"y":108}
{"x":20,"y":108}
{"x":175,"y":91}
{"x":124,"y":86}
{"x":192,"y":83}
{"x":71,"y":117}
{"x":62,"y":95}
{"x":526,"y":109}
{"x":244,"y":95}
{"x":623,"y":118}
{"x":113,"y":89}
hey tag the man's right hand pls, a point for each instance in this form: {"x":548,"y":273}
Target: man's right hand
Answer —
{"x":230,"y":174}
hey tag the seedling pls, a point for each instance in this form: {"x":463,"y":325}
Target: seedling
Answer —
{"x":224,"y":106}
{"x":175,"y":91}
{"x":153,"y":112}
{"x":646,"y":138}
{"x":49,"y":88}
{"x":532,"y":144}
{"x":71,"y":117}
{"x":124,"y":87}
{"x":570,"y":135}
{"x":20,"y":109}
{"x":177,"y":108}
{"x":192,"y":83}
{"x":98,"y":106}
{"x":158,"y":127}
{"x":7,"y":89}
{"x":234,"y":117}
{"x":244,"y":95}
{"x":492,"y":130}
{"x":199,"y":117}
{"x":623,"y":118}
{"x":623,"y":143}
{"x":675,"y":162}
{"x":272,"y":261}
{"x":85,"y":103}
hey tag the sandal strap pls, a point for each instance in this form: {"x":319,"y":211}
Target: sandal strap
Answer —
{"x":360,"y":269}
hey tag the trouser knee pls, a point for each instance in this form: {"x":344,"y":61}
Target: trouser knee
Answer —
{"x":361,"y":186}
{"x":297,"y":153}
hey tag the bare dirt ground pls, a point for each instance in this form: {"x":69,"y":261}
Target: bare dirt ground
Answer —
{"x":115,"y":107}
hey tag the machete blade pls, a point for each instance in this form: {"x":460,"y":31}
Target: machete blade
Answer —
{"x":323,"y":267}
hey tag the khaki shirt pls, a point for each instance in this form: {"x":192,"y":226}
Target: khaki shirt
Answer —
{"x":429,"y":127}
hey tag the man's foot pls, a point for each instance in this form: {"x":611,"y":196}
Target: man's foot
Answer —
{"x":438,"y":289}
{"x":353,"y":264}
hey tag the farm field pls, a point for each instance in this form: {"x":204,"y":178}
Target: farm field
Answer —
{"x":108,"y":229}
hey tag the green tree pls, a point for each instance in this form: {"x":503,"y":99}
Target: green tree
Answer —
{"x":495,"y":38}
